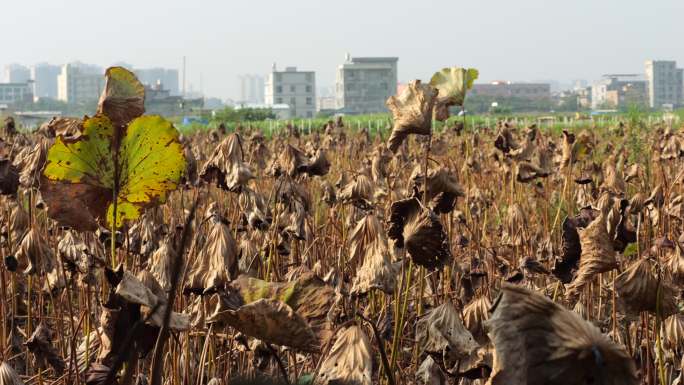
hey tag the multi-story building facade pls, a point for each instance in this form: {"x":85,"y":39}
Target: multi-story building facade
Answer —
{"x":295,"y":88}
{"x":504,"y":89}
{"x":16,"y":73}
{"x":363,"y":84}
{"x":251,"y":89}
{"x":44,"y":78}
{"x":79,"y":83}
{"x":665,"y":83}
{"x":619,"y":90}
{"x":11,"y":93}
{"x":154,"y":77}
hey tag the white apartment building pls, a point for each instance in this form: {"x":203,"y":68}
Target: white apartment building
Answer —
{"x":44,"y":78}
{"x":295,"y":88}
{"x":79,"y":83}
{"x":11,"y":93}
{"x":665,"y":83}
{"x":364,"y":83}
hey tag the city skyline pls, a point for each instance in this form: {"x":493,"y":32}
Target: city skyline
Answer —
{"x":525,"y":40}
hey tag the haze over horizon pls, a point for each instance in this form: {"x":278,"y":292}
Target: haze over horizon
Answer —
{"x":522,"y":40}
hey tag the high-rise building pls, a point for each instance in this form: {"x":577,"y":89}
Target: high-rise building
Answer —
{"x":252,"y":88}
{"x":665,"y":83}
{"x":44,"y":78}
{"x":364,"y":83}
{"x":16,"y":73}
{"x":295,"y":88}
{"x":79,"y":83}
{"x":166,"y":77}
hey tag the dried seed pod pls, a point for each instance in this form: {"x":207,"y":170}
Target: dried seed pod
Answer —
{"x":537,"y":341}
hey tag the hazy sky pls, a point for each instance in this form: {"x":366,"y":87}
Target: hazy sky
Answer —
{"x":505,"y":39}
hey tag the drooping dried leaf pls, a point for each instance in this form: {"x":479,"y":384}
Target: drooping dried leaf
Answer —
{"x":637,"y":288}
{"x":539,"y":342}
{"x":161,"y":265}
{"x":377,"y":270}
{"x":349,"y":361}
{"x":216,"y":263}
{"x":420,"y":232}
{"x":598,"y":254}
{"x":271,"y":321}
{"x":123,"y":97}
{"x":226,"y":166}
{"x":442,"y":188}
{"x":429,"y":373}
{"x":40,"y":346}
{"x":9,"y":177}
{"x":412,"y":112}
{"x":442,"y":332}
{"x":474,"y":316}
{"x":9,"y":376}
{"x":673,"y":332}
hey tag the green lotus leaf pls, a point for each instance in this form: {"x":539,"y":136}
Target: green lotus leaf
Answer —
{"x":141,"y":162}
{"x":453,"y":83}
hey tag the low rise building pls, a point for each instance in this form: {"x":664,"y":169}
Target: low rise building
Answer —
{"x":13,"y":93}
{"x":364,"y":84}
{"x":619,"y":91}
{"x":504,"y":89}
{"x":297,"y":89}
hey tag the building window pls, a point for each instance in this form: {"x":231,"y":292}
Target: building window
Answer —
{"x":308,"y":101}
{"x":292,"y":88}
{"x":278,"y":77}
{"x":279,"y":100}
{"x":279,"y":89}
{"x":308,"y":88}
{"x":309,"y":77}
{"x":309,"y":114}
{"x":293,"y":101}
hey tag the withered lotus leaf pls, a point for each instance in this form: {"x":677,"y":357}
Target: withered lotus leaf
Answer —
{"x":349,"y":361}
{"x":412,"y":112}
{"x":226,"y":166}
{"x":570,"y":244}
{"x":377,"y":270}
{"x":442,"y":332}
{"x":420,"y":232}
{"x":442,"y":188}
{"x":30,"y":161}
{"x":673,"y":332}
{"x":217,"y":262}
{"x":538,"y":342}
{"x":133,"y":290}
{"x":40,"y":346}
{"x":123,"y":97}
{"x":271,"y":321}
{"x":9,"y":178}
{"x":360,"y":192}
{"x":429,"y":373}
{"x":598,"y":254}
{"x":637,"y":287}
{"x":161,"y":265}
{"x":9,"y":376}
{"x":367,"y":230}
{"x":474,"y":316}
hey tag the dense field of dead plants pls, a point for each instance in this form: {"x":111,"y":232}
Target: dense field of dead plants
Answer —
{"x":499,"y":255}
